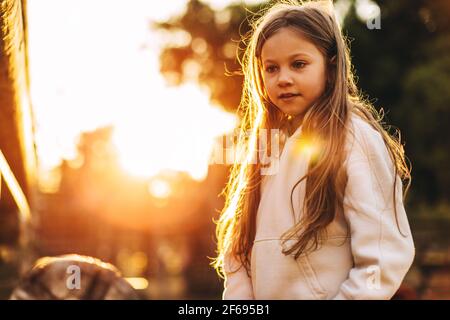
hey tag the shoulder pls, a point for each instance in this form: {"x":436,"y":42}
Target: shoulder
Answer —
{"x":363,"y":140}
{"x":370,"y":167}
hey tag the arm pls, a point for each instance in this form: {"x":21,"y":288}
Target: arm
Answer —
{"x":238,"y":285}
{"x":381,"y":254}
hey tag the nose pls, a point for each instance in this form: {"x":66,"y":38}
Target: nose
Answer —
{"x":284,"y":79}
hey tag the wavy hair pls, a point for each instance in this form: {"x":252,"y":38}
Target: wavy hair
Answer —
{"x":325,"y":122}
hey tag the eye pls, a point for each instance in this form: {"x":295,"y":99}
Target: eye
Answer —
{"x":299,"y":64}
{"x":271,"y":69}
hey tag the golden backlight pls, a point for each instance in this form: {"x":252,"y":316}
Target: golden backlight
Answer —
{"x":95,"y":63}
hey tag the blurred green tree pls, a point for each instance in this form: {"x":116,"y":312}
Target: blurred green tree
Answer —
{"x":405,"y":65}
{"x":210,"y":53}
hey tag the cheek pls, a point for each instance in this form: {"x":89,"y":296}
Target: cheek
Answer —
{"x":269,"y":85}
{"x":315,"y":82}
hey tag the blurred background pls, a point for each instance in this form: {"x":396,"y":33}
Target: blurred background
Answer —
{"x":113,"y":116}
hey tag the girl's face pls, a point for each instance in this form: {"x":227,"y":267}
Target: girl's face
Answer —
{"x":293,"y":70}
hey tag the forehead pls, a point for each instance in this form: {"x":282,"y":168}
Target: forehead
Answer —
{"x":286,"y":42}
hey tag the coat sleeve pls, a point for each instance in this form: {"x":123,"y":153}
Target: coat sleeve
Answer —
{"x":238,"y":285}
{"x":382,"y":254}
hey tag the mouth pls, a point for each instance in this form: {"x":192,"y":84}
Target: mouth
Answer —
{"x":285,"y":96}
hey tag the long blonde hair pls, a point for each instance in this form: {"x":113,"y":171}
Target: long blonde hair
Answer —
{"x":326,"y":121}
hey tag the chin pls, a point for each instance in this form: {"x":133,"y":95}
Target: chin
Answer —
{"x":293,"y":113}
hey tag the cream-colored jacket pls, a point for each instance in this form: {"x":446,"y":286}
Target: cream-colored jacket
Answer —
{"x":368,"y":262}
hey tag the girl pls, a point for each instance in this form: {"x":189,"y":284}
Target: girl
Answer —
{"x":330,"y":222}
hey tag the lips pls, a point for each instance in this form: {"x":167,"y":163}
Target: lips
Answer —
{"x":288,"y":95}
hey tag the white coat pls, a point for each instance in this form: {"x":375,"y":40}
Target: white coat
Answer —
{"x":368,"y":262}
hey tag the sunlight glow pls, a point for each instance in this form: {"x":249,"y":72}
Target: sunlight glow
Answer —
{"x":307,"y":147}
{"x":177,"y":135}
{"x":87,"y":72}
{"x":159,"y":188}
{"x":367,"y":9}
{"x":137,"y":283}
{"x":15,"y":189}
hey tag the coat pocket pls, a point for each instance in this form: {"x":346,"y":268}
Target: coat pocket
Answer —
{"x":311,"y":278}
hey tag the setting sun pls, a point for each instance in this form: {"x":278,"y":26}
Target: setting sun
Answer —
{"x":86,"y":74}
{"x":178,"y":135}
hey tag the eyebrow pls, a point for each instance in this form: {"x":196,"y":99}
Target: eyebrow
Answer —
{"x":291,"y":56}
